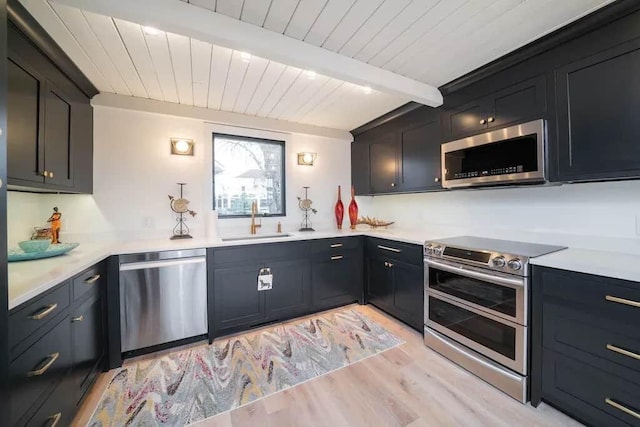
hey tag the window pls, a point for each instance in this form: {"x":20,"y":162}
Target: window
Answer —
{"x":247,"y":170}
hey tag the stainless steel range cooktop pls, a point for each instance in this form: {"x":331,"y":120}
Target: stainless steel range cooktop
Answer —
{"x":499,"y":255}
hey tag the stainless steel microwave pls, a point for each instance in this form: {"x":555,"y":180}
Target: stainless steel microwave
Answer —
{"x":506,"y":156}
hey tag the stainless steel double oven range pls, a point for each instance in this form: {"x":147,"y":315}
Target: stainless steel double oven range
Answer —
{"x":476,"y":307}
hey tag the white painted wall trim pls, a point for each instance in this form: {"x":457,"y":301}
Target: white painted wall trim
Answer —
{"x":215,"y":116}
{"x":202,"y":24}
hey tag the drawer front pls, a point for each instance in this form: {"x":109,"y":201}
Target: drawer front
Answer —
{"x":89,"y":280}
{"x":58,"y":410}
{"x":609,"y":298}
{"x":577,"y":334}
{"x":39,"y":368}
{"x":260,"y":253}
{"x":26,"y":320}
{"x":588,"y":393}
{"x":383,"y":248}
{"x":334,"y":245}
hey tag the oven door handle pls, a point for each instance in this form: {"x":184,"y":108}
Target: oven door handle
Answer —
{"x":477,"y":275}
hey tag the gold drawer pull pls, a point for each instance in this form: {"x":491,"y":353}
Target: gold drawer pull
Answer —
{"x":77,"y":319}
{"x":44,"y":313}
{"x":52,"y":358}
{"x":622,"y":408}
{"x":92,"y":279}
{"x":623,"y":351}
{"x":387,"y":248}
{"x":54,"y":419}
{"x":336,"y":245}
{"x":622,"y":301}
{"x":337,"y":257}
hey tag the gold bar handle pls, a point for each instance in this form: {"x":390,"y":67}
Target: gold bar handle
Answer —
{"x":44,"y":313}
{"x":77,"y":319}
{"x":52,"y":358}
{"x":387,"y":248}
{"x":623,"y":351}
{"x":54,"y":419}
{"x":622,"y":301}
{"x":92,"y":279}
{"x":622,"y":408}
{"x":337,"y":257}
{"x":336,"y":245}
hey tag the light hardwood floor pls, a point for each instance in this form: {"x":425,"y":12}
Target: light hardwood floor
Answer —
{"x":409,"y":385}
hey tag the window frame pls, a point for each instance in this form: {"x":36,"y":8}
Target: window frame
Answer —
{"x":283,"y":192}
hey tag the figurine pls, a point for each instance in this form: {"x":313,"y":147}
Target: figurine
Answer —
{"x":56,"y":224}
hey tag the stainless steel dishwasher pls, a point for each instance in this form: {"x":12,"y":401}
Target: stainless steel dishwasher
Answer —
{"x":163,"y":297}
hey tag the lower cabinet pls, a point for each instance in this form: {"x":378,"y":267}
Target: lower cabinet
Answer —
{"x":586,"y":346}
{"x":57,"y":351}
{"x":290,"y":295}
{"x":395,"y":280}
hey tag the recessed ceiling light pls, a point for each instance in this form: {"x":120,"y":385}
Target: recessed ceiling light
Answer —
{"x":246,"y":57}
{"x":151,"y":31}
{"x":311,"y":75}
{"x":367,"y":90}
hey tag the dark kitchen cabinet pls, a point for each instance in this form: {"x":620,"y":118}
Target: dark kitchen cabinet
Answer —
{"x":597,"y":105}
{"x":383,"y":158}
{"x":420,"y":157}
{"x":520,"y":102}
{"x":585,"y":344}
{"x":87,"y":329}
{"x":395,"y":280}
{"x":336,"y":272}
{"x":290,"y":295}
{"x":360,"y":166}
{"x":50,"y":123}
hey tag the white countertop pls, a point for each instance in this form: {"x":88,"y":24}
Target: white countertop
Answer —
{"x":28,"y":279}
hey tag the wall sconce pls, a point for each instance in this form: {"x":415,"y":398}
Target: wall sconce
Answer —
{"x":182,"y":147}
{"x":306,"y":159}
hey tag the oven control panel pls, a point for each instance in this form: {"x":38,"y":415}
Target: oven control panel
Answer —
{"x":497,"y":261}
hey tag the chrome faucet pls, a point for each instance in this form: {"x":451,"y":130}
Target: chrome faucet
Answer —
{"x":254,"y":211}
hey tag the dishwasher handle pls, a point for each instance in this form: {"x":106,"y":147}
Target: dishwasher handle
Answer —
{"x":143,"y":265}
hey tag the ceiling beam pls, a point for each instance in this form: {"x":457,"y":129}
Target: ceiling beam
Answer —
{"x":182,"y":18}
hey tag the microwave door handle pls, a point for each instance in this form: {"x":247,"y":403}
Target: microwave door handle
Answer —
{"x":477,"y":275}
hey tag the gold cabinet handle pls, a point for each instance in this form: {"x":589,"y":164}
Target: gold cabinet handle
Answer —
{"x":336,"y":245}
{"x":45,"y":174}
{"x":388,"y":264}
{"x":491,"y":119}
{"x":622,"y":301}
{"x":334,"y":258}
{"x":92,"y":279}
{"x":622,"y":408}
{"x":44,"y":313}
{"x":437,"y":179}
{"x":50,"y":174}
{"x":77,"y":319}
{"x":54,"y":419}
{"x":622,"y":351}
{"x":52,"y":358}
{"x":387,"y":248}
{"x":483,"y":122}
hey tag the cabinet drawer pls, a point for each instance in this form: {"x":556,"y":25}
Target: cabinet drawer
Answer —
{"x":407,"y":252}
{"x":90,"y":279}
{"x":34,"y":372}
{"x":26,"y":320}
{"x":614,"y":347}
{"x":589,"y":393}
{"x":58,"y":410}
{"x":333,"y":245}
{"x":609,"y":298}
{"x":260,"y":253}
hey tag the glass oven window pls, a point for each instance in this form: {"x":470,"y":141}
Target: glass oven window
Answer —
{"x":516,"y":155}
{"x":497,"y":336}
{"x":495,"y":297}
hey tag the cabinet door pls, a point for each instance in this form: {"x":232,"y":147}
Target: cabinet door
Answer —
{"x":420,"y":157}
{"x":87,"y":331}
{"x":380,"y":283}
{"x":24,"y":124}
{"x":335,"y":279}
{"x":57,"y":138}
{"x":290,"y":295}
{"x":237,"y":301}
{"x":408,"y":293}
{"x":383,"y":154}
{"x":598,"y":104}
{"x":465,"y":120}
{"x":518,"y":103}
{"x":360,"y":166}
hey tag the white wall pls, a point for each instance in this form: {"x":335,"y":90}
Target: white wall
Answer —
{"x":134,"y":173}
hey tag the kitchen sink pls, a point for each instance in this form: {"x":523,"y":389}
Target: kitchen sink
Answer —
{"x":254,"y":237}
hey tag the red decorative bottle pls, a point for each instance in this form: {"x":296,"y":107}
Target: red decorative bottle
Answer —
{"x":339,"y":210}
{"x":353,"y":209}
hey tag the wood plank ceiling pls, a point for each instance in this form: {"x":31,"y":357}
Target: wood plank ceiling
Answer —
{"x":429,"y":41}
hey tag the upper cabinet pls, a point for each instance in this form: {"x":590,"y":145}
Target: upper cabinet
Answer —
{"x":49,"y":118}
{"x":598,"y":99}
{"x":517,"y":103}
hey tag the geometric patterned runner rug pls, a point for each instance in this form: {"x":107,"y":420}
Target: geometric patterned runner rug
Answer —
{"x":187,"y":386}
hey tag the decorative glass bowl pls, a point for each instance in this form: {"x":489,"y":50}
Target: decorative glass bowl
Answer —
{"x":34,"y":246}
